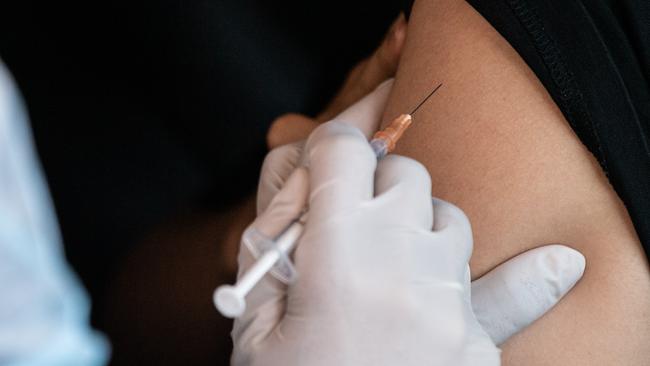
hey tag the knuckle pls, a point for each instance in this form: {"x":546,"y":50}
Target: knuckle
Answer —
{"x":339,"y":140}
{"x":352,"y":146}
{"x":451,"y":211}
{"x":336,"y":128}
{"x":407,"y":167}
{"x":456,"y":223}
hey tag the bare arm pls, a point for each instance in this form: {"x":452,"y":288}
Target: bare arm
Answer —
{"x":498,"y":147}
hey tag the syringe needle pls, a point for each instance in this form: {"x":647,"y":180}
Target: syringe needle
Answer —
{"x":425,"y":99}
{"x":383,"y":142}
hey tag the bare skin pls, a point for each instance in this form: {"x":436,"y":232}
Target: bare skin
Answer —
{"x":497,"y":146}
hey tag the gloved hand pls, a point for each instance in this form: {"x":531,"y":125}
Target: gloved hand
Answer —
{"x":381,"y":281}
{"x":377,"y":284}
{"x":507,"y":299}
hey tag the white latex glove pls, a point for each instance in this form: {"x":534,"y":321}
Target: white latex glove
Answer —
{"x":505,"y":300}
{"x":381,"y":282}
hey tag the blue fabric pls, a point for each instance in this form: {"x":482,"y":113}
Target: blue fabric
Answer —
{"x":43,"y":308}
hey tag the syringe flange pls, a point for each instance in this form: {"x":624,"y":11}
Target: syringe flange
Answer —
{"x":258,"y":244}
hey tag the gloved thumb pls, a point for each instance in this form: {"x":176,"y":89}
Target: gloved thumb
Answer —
{"x":521,"y":290}
{"x":265,"y":302}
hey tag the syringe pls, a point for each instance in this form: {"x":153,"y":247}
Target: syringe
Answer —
{"x":230,"y":300}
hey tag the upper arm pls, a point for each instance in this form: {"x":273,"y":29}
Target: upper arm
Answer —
{"x":498,"y":147}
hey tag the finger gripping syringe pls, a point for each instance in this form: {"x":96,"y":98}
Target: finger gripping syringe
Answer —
{"x":273,"y":255}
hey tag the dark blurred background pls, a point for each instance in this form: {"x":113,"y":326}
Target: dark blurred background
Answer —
{"x":150,"y":120}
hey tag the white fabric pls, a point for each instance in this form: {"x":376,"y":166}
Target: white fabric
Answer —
{"x":43,"y":309}
{"x":383,"y":272}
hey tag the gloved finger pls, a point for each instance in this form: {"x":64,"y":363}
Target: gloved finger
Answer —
{"x":371,"y":72}
{"x":278,"y":164}
{"x":443,"y":256}
{"x":366,"y":114}
{"x":519,"y":291}
{"x":265,"y":302}
{"x":341,"y":167}
{"x":407,"y":184}
{"x":451,"y":223}
{"x":285,"y":206}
